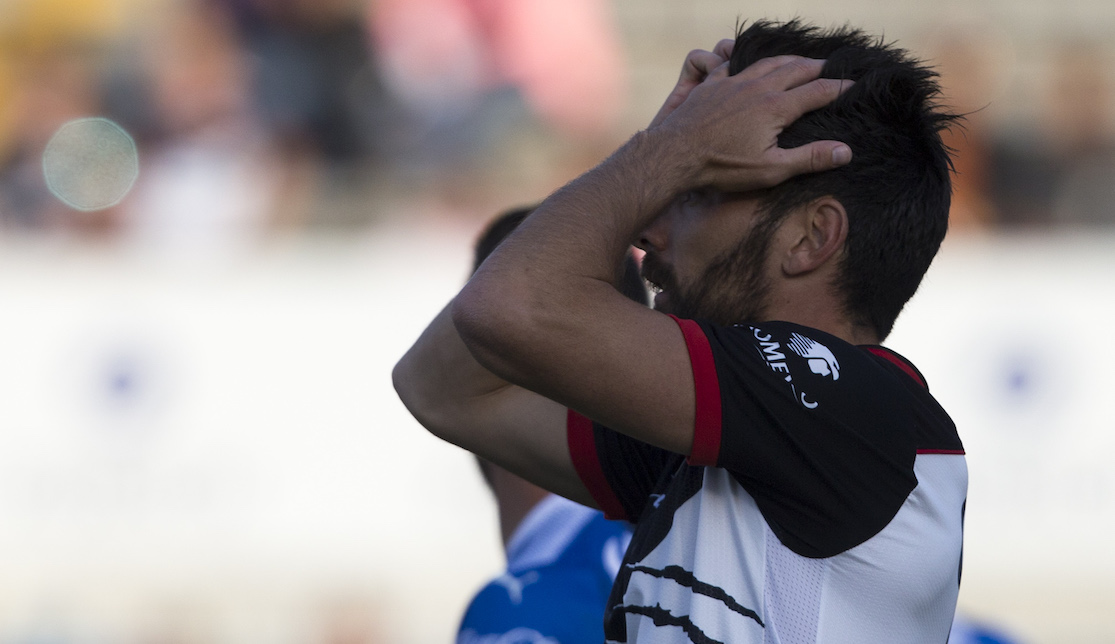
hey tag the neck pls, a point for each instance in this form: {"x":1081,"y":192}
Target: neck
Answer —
{"x":818,"y":308}
{"x":515,"y":498}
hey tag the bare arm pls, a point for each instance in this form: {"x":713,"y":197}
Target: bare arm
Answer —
{"x":541,"y":312}
{"x":456,"y":399}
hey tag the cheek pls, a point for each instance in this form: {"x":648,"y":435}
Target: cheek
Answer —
{"x":696,"y":253}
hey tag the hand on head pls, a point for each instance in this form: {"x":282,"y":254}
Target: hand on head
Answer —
{"x":697,"y":66}
{"x":730,"y":124}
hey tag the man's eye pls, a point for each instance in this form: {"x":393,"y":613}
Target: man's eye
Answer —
{"x":692,"y":196}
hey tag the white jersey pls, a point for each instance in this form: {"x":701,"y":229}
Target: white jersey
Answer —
{"x":822,"y":500}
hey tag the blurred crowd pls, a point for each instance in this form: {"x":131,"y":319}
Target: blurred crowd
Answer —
{"x":1038,"y":147}
{"x":256,"y":117}
{"x":261,"y":117}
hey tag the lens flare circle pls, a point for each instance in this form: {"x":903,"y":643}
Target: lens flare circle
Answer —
{"x":90,"y":163}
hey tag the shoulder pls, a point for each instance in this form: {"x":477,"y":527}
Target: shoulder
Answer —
{"x":826,"y":378}
{"x":822,"y":433}
{"x":796,"y":376}
{"x":787,"y":349}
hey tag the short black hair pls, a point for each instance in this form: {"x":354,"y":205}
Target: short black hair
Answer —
{"x":630,"y":284}
{"x":497,"y":230}
{"x":897,"y":188}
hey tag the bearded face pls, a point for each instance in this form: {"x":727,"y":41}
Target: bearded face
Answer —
{"x":732,"y":289}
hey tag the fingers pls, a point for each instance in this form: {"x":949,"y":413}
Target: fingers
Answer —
{"x":699,"y":64}
{"x":813,"y":157}
{"x":724,"y":48}
{"x":793,"y":72}
{"x":720,"y":72}
{"x":765,"y":67}
{"x":795,"y":80}
{"x":816,"y":94}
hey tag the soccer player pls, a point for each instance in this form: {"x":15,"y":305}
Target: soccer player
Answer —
{"x":789,"y":479}
{"x":562,"y":557}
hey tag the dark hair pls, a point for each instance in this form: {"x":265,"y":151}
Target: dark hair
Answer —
{"x":897,"y":188}
{"x":630,"y":283}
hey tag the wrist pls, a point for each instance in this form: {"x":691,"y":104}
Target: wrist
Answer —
{"x":658,"y":166}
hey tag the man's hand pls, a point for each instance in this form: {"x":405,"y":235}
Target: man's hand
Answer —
{"x":697,"y":66}
{"x":729,"y":125}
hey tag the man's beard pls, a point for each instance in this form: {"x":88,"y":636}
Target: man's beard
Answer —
{"x":731,"y":290}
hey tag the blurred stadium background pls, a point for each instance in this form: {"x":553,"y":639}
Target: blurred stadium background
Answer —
{"x":199,"y":443}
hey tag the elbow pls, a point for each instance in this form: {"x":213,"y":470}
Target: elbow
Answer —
{"x":481,"y":319}
{"x":497,"y":321}
{"x":406,"y":387}
{"x":516,"y":328}
{"x":415,"y":397}
{"x":403,"y":388}
{"x":470,"y":317}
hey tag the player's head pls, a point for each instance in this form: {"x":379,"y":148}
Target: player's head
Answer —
{"x":497,"y":230}
{"x":897,"y":188}
{"x":630,"y":284}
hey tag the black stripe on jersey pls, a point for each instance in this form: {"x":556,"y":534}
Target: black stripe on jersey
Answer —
{"x":663,"y":617}
{"x":685,"y":578}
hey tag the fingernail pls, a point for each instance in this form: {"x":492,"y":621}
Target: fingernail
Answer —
{"x":841,"y":155}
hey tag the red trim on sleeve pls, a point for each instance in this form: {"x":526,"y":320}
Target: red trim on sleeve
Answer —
{"x":887,"y":355}
{"x":954,"y":452}
{"x":707,"y":423}
{"x":582,"y":449}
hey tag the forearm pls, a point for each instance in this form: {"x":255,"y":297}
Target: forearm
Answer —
{"x":532,"y":293}
{"x":585,"y":228}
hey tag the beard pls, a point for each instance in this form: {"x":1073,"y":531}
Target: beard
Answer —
{"x":733,"y":289}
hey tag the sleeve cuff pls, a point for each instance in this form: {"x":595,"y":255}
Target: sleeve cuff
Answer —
{"x":707,"y":422}
{"x":586,"y":461}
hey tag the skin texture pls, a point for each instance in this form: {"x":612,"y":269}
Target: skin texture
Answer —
{"x":733,"y":284}
{"x":515,"y":498}
{"x":540,"y":326}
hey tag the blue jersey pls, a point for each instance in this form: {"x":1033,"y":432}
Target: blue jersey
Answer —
{"x":965,"y":631}
{"x":561,"y":563}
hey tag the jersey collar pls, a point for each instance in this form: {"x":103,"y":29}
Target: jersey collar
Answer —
{"x":545,"y":532}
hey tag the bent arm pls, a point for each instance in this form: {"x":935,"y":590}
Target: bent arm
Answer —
{"x":461,"y":402}
{"x":540,"y":312}
{"x":540,"y":327}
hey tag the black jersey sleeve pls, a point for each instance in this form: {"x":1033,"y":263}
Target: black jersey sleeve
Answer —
{"x":819,"y":432}
{"x":620,"y":472}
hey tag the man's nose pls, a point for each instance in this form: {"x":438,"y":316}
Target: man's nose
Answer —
{"x":654,"y":237}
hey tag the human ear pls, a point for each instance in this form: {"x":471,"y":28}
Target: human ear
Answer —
{"x":822,"y":230}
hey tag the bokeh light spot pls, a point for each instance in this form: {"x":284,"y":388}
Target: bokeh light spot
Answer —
{"x":90,"y":163}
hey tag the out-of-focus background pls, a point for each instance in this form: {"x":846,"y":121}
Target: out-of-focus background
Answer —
{"x":222,"y":222}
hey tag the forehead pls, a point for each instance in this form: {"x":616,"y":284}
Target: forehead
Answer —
{"x":716,"y":209}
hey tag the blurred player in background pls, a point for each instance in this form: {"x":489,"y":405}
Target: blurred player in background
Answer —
{"x":562,"y":557}
{"x":968,"y":631}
